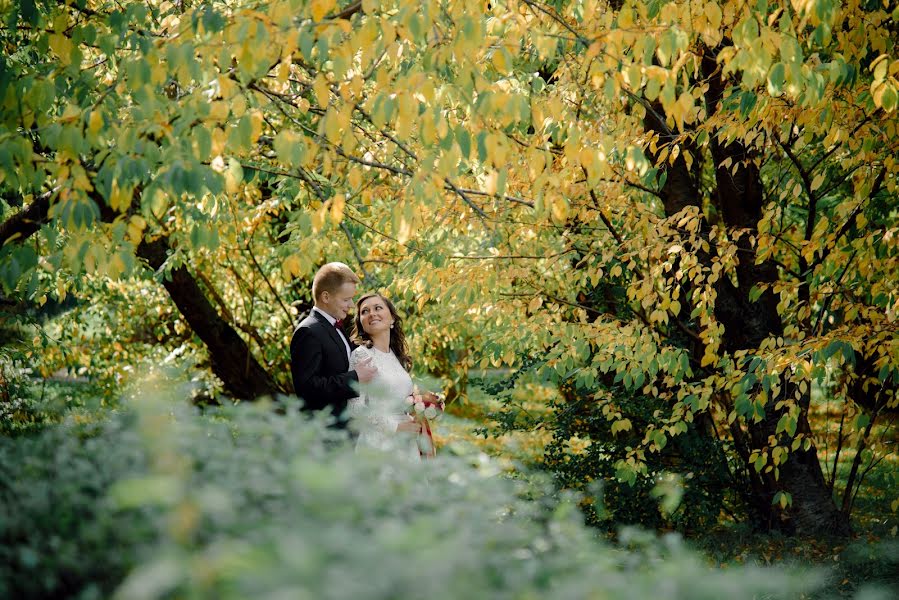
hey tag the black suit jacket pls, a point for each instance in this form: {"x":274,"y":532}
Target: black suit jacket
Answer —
{"x":319,"y":365}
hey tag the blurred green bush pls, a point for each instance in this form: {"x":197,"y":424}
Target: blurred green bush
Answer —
{"x":158,"y":501}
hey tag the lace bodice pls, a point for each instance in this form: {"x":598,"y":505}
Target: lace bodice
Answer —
{"x":380,"y":407}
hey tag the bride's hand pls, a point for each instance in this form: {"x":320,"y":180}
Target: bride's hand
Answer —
{"x":410,"y":426}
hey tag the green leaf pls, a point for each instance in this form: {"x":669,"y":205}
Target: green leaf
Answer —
{"x":290,"y":147}
{"x":776,"y":79}
{"x":482,"y":146}
{"x":747,"y":103}
{"x":463,"y":138}
{"x":625,"y":472}
{"x":889,"y":97}
{"x":784,"y":499}
{"x":787,"y":423}
{"x":862,"y":421}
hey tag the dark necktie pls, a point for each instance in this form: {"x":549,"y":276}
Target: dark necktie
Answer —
{"x":338,"y":324}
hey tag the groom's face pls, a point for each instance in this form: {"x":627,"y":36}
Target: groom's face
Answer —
{"x":339,"y":303}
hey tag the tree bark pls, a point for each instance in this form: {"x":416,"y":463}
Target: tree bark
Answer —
{"x":740,"y":200}
{"x":232,"y":361}
{"x":27,"y":221}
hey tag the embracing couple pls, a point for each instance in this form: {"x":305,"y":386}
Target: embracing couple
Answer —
{"x":360,"y":371}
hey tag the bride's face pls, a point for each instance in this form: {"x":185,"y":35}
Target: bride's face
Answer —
{"x":375,"y":316}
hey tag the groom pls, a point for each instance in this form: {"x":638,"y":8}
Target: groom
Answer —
{"x":320,"y":350}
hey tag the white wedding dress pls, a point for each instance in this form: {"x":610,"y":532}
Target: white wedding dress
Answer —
{"x":376,"y":413}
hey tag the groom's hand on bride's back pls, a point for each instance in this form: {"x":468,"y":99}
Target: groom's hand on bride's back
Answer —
{"x":366,"y":371}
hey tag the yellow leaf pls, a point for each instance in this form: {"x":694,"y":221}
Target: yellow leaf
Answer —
{"x":318,"y":218}
{"x":158,"y":73}
{"x":120,"y":198}
{"x":283,"y":71}
{"x":338,"y":204}
{"x":500,"y":61}
{"x":509,"y":357}
{"x":62,"y":47}
{"x":95,"y":123}
{"x":219,"y":139}
{"x":291,"y":267}
{"x":233,"y":176}
{"x":238,"y":106}
{"x":322,"y":94}
{"x":281,"y":13}
{"x":713,"y":14}
{"x":320,"y":8}
{"x":405,"y":230}
{"x":354,"y":177}
{"x":116,"y":266}
{"x":218,"y":111}
{"x":256,"y":120}
{"x":332,"y":126}
{"x":490,"y":182}
{"x":227,"y":87}
{"x":136,"y":226}
{"x":817,"y":181}
{"x":622,"y":425}
{"x":71,"y":113}
{"x":559,"y":209}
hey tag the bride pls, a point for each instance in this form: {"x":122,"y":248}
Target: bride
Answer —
{"x":378,"y":413}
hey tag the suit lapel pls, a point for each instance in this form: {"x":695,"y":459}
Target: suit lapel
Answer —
{"x":332,"y":332}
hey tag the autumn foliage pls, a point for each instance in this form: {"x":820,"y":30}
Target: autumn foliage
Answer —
{"x":693,"y":202}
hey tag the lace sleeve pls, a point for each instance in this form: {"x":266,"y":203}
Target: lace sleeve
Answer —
{"x":356,"y":406}
{"x":359,"y":410}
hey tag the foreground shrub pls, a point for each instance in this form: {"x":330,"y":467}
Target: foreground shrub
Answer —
{"x":60,"y":532}
{"x":248,"y":504}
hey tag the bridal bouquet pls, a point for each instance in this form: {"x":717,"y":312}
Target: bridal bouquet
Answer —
{"x":424,"y":408}
{"x":427,"y":405}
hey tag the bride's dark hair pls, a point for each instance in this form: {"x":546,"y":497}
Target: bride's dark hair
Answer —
{"x":397,"y":336}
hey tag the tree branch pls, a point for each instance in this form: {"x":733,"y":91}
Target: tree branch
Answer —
{"x":347,"y":12}
{"x":366,"y":276}
{"x":875,"y":189}
{"x":27,"y":221}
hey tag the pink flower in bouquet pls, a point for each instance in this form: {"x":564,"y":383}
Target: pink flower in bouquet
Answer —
{"x":428,"y":405}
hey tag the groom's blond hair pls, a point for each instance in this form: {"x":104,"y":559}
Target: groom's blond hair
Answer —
{"x":330,"y":277}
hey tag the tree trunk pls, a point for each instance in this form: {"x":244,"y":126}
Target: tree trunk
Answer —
{"x":740,"y":200}
{"x":231,"y":359}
